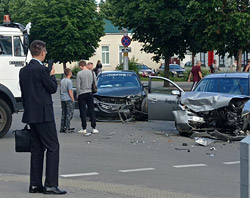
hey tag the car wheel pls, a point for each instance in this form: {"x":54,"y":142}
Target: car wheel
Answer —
{"x":144,"y":105}
{"x":182,"y":132}
{"x":5,"y":118}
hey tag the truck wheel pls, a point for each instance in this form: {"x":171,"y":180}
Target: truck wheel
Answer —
{"x":5,"y":118}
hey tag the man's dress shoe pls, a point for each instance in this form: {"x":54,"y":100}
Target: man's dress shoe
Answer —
{"x":53,"y":190}
{"x":36,"y":189}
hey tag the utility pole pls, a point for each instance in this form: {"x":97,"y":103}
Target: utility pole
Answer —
{"x":126,"y":41}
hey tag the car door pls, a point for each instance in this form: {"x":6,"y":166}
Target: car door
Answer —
{"x":162,"y":100}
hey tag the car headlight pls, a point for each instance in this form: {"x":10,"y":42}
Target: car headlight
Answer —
{"x":174,"y":72}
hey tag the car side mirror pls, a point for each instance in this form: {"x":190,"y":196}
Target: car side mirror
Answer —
{"x":176,"y":92}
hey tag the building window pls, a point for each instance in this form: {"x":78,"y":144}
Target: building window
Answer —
{"x":221,"y":61}
{"x":120,"y":54}
{"x":202,"y":59}
{"x":105,"y":55}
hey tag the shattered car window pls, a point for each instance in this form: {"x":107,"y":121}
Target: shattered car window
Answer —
{"x":118,"y":80}
{"x":237,"y":86}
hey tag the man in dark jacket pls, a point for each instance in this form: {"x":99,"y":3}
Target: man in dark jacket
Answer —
{"x":37,"y":84}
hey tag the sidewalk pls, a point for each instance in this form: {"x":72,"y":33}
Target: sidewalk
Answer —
{"x":16,"y":186}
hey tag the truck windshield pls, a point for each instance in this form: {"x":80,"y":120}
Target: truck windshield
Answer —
{"x":5,"y":45}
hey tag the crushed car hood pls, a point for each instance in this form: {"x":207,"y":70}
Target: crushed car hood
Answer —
{"x":118,"y":92}
{"x":206,"y":101}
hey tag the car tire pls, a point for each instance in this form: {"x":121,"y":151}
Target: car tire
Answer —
{"x":144,"y":105}
{"x":183,"y":133}
{"x":5,"y":118}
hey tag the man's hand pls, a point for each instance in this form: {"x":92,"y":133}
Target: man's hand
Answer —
{"x":52,"y":72}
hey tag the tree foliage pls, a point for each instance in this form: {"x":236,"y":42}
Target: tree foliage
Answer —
{"x":168,"y":27}
{"x":221,"y":25}
{"x":71,"y":28}
{"x":159,"y":25}
{"x":4,"y":8}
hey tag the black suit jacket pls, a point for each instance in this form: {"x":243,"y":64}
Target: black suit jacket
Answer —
{"x":36,"y":87}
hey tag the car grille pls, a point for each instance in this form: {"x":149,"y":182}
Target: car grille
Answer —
{"x":109,"y":107}
{"x":112,"y":100}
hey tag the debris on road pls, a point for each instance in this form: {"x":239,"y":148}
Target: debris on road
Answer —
{"x":211,"y":154}
{"x":204,"y":141}
{"x":182,"y":149}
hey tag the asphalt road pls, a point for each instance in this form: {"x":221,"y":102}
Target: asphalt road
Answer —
{"x":138,"y":159}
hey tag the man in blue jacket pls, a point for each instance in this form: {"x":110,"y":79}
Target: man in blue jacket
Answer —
{"x":37,"y":84}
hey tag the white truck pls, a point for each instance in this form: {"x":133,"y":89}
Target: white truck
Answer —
{"x":14,"y":54}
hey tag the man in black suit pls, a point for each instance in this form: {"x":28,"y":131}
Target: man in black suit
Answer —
{"x":37,"y":84}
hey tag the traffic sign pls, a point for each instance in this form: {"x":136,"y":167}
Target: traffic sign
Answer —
{"x":126,"y":41}
{"x":126,"y":49}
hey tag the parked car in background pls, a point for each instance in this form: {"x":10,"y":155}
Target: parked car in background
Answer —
{"x":120,"y":95}
{"x":175,"y":70}
{"x":188,"y":64}
{"x":218,"y":107}
{"x":144,"y":70}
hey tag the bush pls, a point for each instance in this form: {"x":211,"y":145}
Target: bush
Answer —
{"x":75,"y":70}
{"x":131,"y":65}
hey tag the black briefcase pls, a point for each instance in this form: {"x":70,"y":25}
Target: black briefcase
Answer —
{"x":22,"y":139}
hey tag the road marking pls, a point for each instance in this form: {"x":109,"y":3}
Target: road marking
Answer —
{"x":229,"y":163}
{"x":80,"y":174}
{"x":136,"y":170}
{"x":189,"y":165}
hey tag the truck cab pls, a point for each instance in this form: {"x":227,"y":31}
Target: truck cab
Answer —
{"x":14,"y":54}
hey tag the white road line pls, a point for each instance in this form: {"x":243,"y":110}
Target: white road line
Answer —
{"x":229,"y":163}
{"x":80,"y":174}
{"x":136,"y":170}
{"x":189,"y":165}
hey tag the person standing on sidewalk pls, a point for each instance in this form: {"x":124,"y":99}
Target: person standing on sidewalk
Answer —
{"x":196,"y":74}
{"x":85,"y":78}
{"x":37,"y":84}
{"x":67,"y":102}
{"x":98,"y":67}
{"x":247,"y":68}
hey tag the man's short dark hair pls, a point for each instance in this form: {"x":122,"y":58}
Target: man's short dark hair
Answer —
{"x":36,"y":47}
{"x":67,"y":71}
{"x":82,"y":63}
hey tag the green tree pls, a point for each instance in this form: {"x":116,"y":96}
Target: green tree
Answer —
{"x":158,"y":24}
{"x":221,"y":25}
{"x":4,"y":8}
{"x":71,"y":28}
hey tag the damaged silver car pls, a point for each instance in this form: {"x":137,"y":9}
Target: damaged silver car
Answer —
{"x":218,"y":107}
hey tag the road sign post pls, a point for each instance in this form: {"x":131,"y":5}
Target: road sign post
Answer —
{"x":126,"y":41}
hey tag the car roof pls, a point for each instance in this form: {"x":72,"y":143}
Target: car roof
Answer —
{"x":229,"y":75}
{"x":169,"y":64}
{"x":118,"y":72}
